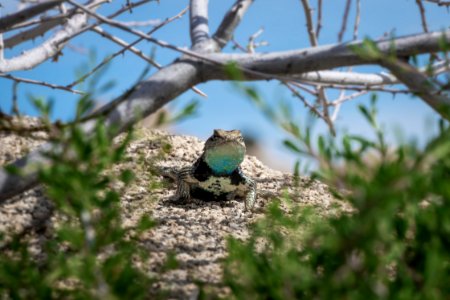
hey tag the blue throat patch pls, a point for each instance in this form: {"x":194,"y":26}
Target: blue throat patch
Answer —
{"x":223,"y":160}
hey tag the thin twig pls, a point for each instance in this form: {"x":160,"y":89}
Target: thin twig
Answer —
{"x":344,"y":98}
{"x":141,"y":34}
{"x":51,"y":23}
{"x":342,"y":94}
{"x":12,"y":19}
{"x":362,"y":88}
{"x":312,"y":108}
{"x":2,"y":47}
{"x":51,"y":47}
{"x":303,"y":99}
{"x":236,"y":45}
{"x":251,"y":41}
{"x":59,"y":19}
{"x":422,"y":15}
{"x":319,"y":18}
{"x":439,"y":2}
{"x":427,"y":90}
{"x":210,"y":58}
{"x":357,"y":20}
{"x":337,"y":107}
{"x":323,"y":99}
{"x":321,"y":93}
{"x":309,"y":23}
{"x":15,"y":105}
{"x":41,"y":83}
{"x":136,"y":51}
{"x":142,"y":23}
{"x":304,"y":87}
{"x":344,"y":21}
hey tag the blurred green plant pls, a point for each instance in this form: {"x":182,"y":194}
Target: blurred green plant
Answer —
{"x":90,"y":256}
{"x":393,"y":245}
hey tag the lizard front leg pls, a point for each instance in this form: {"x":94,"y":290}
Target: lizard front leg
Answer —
{"x":184,"y":182}
{"x":250,"y":195}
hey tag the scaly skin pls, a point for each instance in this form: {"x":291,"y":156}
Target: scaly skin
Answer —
{"x":216,"y":175}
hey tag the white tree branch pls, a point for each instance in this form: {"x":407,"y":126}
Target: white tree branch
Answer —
{"x":198,"y":21}
{"x":229,"y":23}
{"x":423,"y":87}
{"x":148,"y":96}
{"x":288,"y":63}
{"x":309,"y":23}
{"x":46,"y":50}
{"x":171,"y":81}
{"x":347,"y":78}
{"x":25,"y":14}
{"x":344,"y":20}
{"x":44,"y":26}
{"x":439,"y":2}
{"x":74,"y":26}
{"x":2,"y":47}
{"x":41,"y":83}
{"x":32,"y":33}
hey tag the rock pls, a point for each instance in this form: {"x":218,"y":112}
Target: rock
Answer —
{"x":195,"y":233}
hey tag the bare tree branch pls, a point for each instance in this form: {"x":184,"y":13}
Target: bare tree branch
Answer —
{"x":142,"y":23}
{"x":148,"y":96}
{"x":347,"y":78}
{"x":169,"y":82}
{"x":344,"y":20}
{"x":31,"y":33}
{"x":319,"y":17}
{"x":2,"y":47}
{"x":288,"y":63}
{"x":199,"y":28}
{"x":357,"y":20}
{"x":432,"y":94}
{"x":25,"y":14}
{"x":422,"y":15}
{"x":49,"y":48}
{"x":439,"y":2}
{"x":136,"y":51}
{"x":309,"y":23}
{"x":343,"y":99}
{"x":15,"y":106}
{"x":364,"y":79}
{"x":139,"y":33}
{"x":231,"y":20}
{"x":45,"y":24}
{"x":251,"y":47}
{"x":42,"y":83}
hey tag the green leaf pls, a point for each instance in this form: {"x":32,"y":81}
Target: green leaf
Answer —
{"x":367,"y":50}
{"x":291,"y":145}
{"x":127,"y":176}
{"x":232,"y":71}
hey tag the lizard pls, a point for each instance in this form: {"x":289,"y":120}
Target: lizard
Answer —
{"x":216,"y":174}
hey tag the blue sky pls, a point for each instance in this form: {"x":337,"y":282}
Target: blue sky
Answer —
{"x":284,"y":29}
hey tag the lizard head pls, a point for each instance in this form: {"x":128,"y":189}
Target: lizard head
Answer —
{"x":224,"y":151}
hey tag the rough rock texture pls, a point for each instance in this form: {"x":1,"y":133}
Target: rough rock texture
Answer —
{"x":195,"y":232}
{"x":29,"y":212}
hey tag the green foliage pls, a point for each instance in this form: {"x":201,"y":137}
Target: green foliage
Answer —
{"x":91,"y":256}
{"x":367,"y":50}
{"x":393,"y":245}
{"x":185,"y":112}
